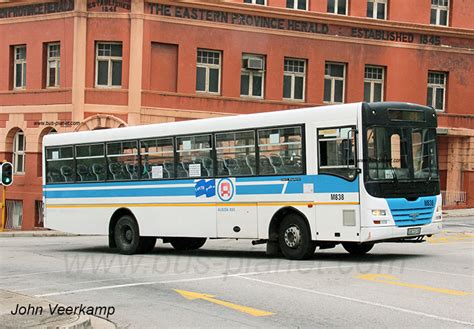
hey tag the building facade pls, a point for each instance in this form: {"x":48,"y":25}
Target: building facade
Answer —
{"x":71,"y":65}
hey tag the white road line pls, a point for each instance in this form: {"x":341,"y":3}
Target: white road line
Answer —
{"x":67,"y":292}
{"x":427,"y":271}
{"x":361,"y":301}
{"x":98,"y":268}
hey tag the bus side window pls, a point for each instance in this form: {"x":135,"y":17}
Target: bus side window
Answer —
{"x":280,"y":151}
{"x":157,"y":158}
{"x":194,"y":156}
{"x":337,"y":152}
{"x":235,"y":152}
{"x":122,"y":159}
{"x":90,"y":163}
{"x":60,"y":165}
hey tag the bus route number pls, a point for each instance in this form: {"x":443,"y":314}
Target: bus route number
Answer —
{"x":337,"y":196}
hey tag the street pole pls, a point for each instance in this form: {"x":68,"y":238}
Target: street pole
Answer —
{"x":4,"y":190}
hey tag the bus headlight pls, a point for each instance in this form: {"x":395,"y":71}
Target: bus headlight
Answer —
{"x":379,"y":212}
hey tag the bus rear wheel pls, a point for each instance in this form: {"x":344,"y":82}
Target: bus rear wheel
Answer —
{"x":127,"y":237}
{"x":294,"y":237}
{"x":357,"y":249}
{"x":187,"y":243}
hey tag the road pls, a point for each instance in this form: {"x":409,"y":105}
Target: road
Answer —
{"x":230,"y":283}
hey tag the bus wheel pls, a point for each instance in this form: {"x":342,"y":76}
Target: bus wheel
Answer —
{"x":294,"y":237}
{"x":358,"y":249}
{"x":147,"y":244}
{"x":126,"y":235}
{"x":187,"y":243}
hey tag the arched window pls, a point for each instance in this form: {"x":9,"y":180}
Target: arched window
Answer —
{"x":19,"y":145}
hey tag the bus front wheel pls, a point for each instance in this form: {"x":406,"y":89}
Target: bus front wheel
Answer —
{"x":357,"y":249}
{"x":187,"y":243}
{"x":294,"y":237}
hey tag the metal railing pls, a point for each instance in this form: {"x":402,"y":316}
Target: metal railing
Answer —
{"x":451,"y":198}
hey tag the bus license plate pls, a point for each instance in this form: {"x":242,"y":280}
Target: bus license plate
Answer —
{"x":414,"y":231}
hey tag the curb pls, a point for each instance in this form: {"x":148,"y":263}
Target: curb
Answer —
{"x":11,"y":234}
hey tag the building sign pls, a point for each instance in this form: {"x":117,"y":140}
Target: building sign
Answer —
{"x":225,"y":17}
{"x":395,"y":36}
{"x":236,"y":18}
{"x":37,"y":9}
{"x":109,"y":5}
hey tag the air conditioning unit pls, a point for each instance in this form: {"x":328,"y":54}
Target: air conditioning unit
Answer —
{"x":253,"y":63}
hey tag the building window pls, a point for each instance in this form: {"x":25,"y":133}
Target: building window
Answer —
{"x":334,"y":76}
{"x":373,"y":83}
{"x":53,"y":65}
{"x":19,"y":153}
{"x":256,"y":2}
{"x":208,"y":71}
{"x":108,"y":64}
{"x":19,"y":68}
{"x":437,"y":90}
{"x":377,"y":9}
{"x":439,"y":12}
{"x":337,"y":7}
{"x":14,"y":212}
{"x":252,"y":76}
{"x":297,"y":4}
{"x":294,"y":79}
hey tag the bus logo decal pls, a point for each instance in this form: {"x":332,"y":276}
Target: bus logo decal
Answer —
{"x":225,"y":189}
{"x":207,"y":188}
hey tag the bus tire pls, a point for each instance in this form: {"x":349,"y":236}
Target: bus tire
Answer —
{"x":147,"y":244}
{"x":294,"y":237}
{"x":357,"y":249}
{"x":127,"y":235}
{"x":187,"y":243}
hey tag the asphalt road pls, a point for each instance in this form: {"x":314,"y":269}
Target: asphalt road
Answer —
{"x":233,"y":284}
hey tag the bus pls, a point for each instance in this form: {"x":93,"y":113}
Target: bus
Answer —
{"x":351,"y":174}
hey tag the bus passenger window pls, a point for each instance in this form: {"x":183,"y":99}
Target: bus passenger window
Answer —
{"x":194,"y":156}
{"x":90,"y":163}
{"x":122,"y":159}
{"x":337,"y":152}
{"x":236,"y":153}
{"x":157,"y":158}
{"x":280,"y":151}
{"x":60,"y":165}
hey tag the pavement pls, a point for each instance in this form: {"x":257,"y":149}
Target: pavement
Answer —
{"x":231,"y":283}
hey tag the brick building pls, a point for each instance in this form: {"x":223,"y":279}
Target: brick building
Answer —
{"x":90,"y":64}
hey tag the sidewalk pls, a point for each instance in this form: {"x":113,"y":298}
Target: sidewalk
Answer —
{"x":36,"y":233}
{"x":468,"y":212}
{"x":39,"y":314}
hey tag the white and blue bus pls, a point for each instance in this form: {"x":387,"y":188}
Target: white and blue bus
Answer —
{"x":353,"y":174}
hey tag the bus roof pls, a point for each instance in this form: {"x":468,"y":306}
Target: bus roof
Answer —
{"x":338,"y":114}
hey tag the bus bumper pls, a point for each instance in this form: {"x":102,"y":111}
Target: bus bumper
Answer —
{"x":394,"y":232}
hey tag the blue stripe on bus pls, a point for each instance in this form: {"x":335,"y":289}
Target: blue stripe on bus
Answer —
{"x":143,"y":192}
{"x":295,"y":184}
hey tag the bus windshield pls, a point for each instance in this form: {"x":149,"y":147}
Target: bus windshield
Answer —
{"x":401,"y":153}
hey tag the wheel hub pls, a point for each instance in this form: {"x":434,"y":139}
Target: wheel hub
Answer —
{"x":292,"y":236}
{"x":128,"y":235}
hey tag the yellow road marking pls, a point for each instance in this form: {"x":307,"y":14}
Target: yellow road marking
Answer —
{"x":390,"y":279}
{"x":210,"y":298}
{"x":450,"y":238}
{"x":241,"y":204}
